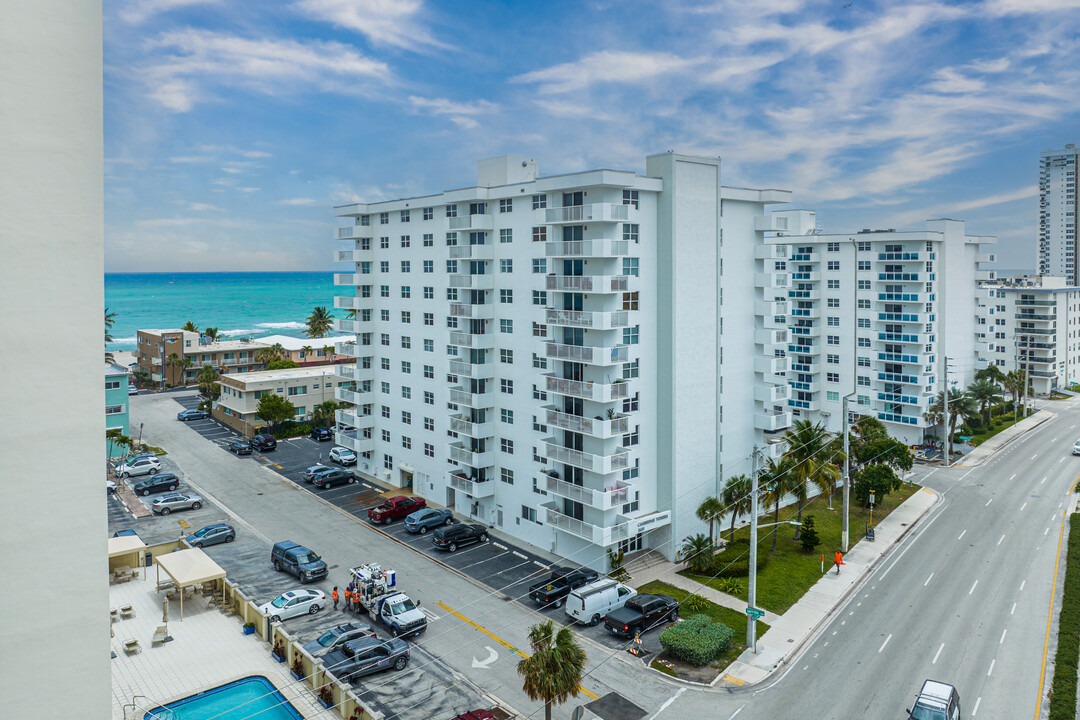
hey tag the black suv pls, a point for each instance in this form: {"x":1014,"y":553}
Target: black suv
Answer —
{"x":297,"y":560}
{"x":641,"y":613}
{"x":156,"y":484}
{"x":334,"y":477}
{"x":554,"y":591}
{"x":263,"y":442}
{"x":320,"y":434}
{"x":452,"y":537}
{"x":240,"y":447}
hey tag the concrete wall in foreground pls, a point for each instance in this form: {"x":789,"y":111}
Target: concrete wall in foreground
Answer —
{"x":52,"y":296}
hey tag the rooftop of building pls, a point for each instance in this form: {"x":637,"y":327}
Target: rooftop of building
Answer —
{"x":1034,"y":283}
{"x":302,"y":373}
{"x":226,"y":345}
{"x":294,"y":343}
{"x":112,"y":369}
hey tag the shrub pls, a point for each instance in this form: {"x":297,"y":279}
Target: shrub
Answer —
{"x":697,"y":640}
{"x":730,"y":585}
{"x":694,"y":604}
{"x":290,"y":429}
{"x":1063,"y":689}
{"x":734,"y":560}
{"x":809,"y":537}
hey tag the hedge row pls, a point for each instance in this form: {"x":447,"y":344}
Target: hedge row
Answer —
{"x":1067,"y":657}
{"x":697,"y":640}
{"x":734,"y":560}
{"x":288,"y":429}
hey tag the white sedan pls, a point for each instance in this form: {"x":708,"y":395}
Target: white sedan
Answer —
{"x":293,"y":603}
{"x":343,"y":456}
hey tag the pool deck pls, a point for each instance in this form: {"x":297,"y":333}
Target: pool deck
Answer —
{"x":207,"y":649}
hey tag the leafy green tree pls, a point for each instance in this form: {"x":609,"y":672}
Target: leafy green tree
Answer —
{"x":207,"y":378}
{"x":142,"y":378}
{"x":961,"y":405}
{"x":554,"y":671}
{"x":878,"y":479}
{"x":985,"y":393}
{"x":270,"y":354}
{"x":190,"y":327}
{"x":319,"y":323}
{"x":710,"y":511}
{"x":737,"y":498}
{"x":110,"y":319}
{"x":809,"y":539}
{"x":697,"y":553}
{"x":282,"y":364}
{"x":275,"y":409}
{"x":1014,"y":384}
{"x":306,"y":352}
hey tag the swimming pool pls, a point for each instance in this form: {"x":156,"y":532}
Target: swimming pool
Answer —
{"x":250,"y":696}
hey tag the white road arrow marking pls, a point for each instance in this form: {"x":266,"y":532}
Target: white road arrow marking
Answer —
{"x":485,"y":663}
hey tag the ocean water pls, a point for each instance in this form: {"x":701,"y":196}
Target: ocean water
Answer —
{"x":237,"y":304}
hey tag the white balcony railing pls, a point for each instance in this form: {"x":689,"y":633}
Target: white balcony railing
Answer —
{"x":472,"y":488}
{"x":348,"y":279}
{"x":354,"y":232}
{"x":483,"y":341}
{"x":586,"y":319}
{"x":600,"y":248}
{"x":587,"y":283}
{"x":471,"y":222}
{"x":588,"y":389}
{"x":616,"y":494}
{"x":596,"y":534}
{"x":602,"y":464}
{"x":463,"y":426}
{"x":350,"y":326}
{"x":473,"y":282}
{"x":587,"y":354}
{"x":484,"y":311}
{"x":471,"y":252}
{"x":479,"y":371}
{"x":597,"y":212}
{"x":593,"y":427}
{"x":351,"y":302}
{"x":466,"y":456}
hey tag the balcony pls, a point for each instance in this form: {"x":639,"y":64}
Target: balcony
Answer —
{"x":1033,"y":317}
{"x":478,"y":371}
{"x":898,"y":257}
{"x":603,"y":500}
{"x":597,"y":212}
{"x":899,"y":277}
{"x":351,"y":326}
{"x":899,"y":297}
{"x":1038,"y":359}
{"x":349,"y":349}
{"x":463,"y":426}
{"x":603,"y":464}
{"x":588,"y":389}
{"x":484,"y":341}
{"x":357,"y":444}
{"x":766,"y":336}
{"x":593,"y":427}
{"x":806,"y":257}
{"x":586,"y":319}
{"x":900,"y":337}
{"x":771,"y":252}
{"x":770,"y":223}
{"x":898,"y":398}
{"x":602,"y":536}
{"x":588,"y":354}
{"x":471,"y":222}
{"x":806,"y":330}
{"x":483,"y":281}
{"x":351,"y":302}
{"x":352,"y":419}
{"x":771,"y":394}
{"x":804,"y":404}
{"x":465,"y":456}
{"x":347,"y":256}
{"x":770,"y":308}
{"x":354,"y":232}
{"x":482,"y":311}
{"x":351,"y":396}
{"x":804,"y":294}
{"x":772,"y":280}
{"x":903,"y":358}
{"x":478,"y":401}
{"x":587,"y":283}
{"x":772,"y":421}
{"x":1021,"y":332}
{"x":900,"y":378}
{"x":900,"y":317}
{"x":1024,"y":302}
{"x":770,"y":365}
{"x":804,"y":386}
{"x":349,"y":279}
{"x":472,"y":488}
{"x":805,"y":276}
{"x":471,"y":252}
{"x":600,"y":248}
{"x":985,"y":258}
{"x":985,"y":275}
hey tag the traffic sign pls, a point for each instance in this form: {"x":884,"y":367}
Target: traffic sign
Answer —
{"x":754,"y":613}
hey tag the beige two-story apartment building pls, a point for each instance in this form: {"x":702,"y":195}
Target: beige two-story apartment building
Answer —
{"x":303,"y":387}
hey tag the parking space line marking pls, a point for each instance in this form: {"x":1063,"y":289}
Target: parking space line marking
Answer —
{"x":928,"y":580}
{"x":973,"y":587}
{"x":502,"y":642}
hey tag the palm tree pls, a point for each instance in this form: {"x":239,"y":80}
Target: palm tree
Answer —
{"x":961,"y":405}
{"x":174,"y":360}
{"x":1014,"y":384}
{"x":270,"y":354}
{"x":992,"y":373}
{"x":554,"y":671}
{"x":710,"y":510}
{"x":776,"y":482}
{"x":110,"y":318}
{"x":190,"y":327}
{"x":207,"y":378}
{"x":807,"y":448}
{"x":985,"y":393}
{"x":319,"y":323}
{"x":211,"y":333}
{"x":697,"y":553}
{"x":323,"y":413}
{"x":737,"y":498}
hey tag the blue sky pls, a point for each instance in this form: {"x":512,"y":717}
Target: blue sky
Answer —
{"x":232,"y":128}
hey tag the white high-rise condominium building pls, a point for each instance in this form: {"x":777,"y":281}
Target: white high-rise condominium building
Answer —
{"x":1058,"y":213}
{"x":873,"y":315}
{"x":1030,"y":323}
{"x":577,"y":360}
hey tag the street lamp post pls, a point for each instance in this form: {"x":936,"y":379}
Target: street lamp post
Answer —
{"x":162,"y":337}
{"x":844,"y":536}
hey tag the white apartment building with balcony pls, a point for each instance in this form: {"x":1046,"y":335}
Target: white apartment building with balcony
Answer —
{"x":1059,"y":251}
{"x":577,"y":360}
{"x":1031,"y":323}
{"x":873,"y":315}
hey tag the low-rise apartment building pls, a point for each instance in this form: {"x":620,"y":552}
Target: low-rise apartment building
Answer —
{"x":303,"y":387}
{"x":116,"y":405}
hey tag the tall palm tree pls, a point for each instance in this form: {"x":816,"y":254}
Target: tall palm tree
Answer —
{"x":737,"y":498}
{"x":211,"y":333}
{"x":176,"y":361}
{"x":985,"y":393}
{"x":710,"y":510}
{"x":319,"y":323}
{"x":323,"y":413}
{"x":110,"y":318}
{"x":554,"y":671}
{"x":808,"y":450}
{"x":961,"y":405}
{"x":306,"y":350}
{"x":992,"y":373}
{"x":190,"y":327}
{"x":270,"y":354}
{"x":697,"y":553}
{"x":776,"y":482}
{"x":1014,"y":384}
{"x":207,"y":378}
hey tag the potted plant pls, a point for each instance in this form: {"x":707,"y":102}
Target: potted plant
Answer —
{"x":326,"y":696}
{"x":249,"y":628}
{"x":298,"y":666}
{"x":278,"y":652}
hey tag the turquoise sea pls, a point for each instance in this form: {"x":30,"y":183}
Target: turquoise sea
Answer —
{"x":237,"y":304}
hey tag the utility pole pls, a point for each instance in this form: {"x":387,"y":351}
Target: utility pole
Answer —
{"x":162,"y":339}
{"x":751,"y":597}
{"x":1024,"y":372}
{"x":945,"y":402}
{"x":847,"y":476}
{"x":1016,"y":364}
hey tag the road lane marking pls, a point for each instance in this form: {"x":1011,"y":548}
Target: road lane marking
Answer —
{"x":962,"y":534}
{"x":1013,"y":476}
{"x":934,"y":661}
{"x":502,"y":642}
{"x":928,"y":580}
{"x":916,"y":537}
{"x":1022,"y":584}
{"x":973,"y":587}
{"x":1042,"y":481}
{"x":1023,"y":506}
{"x":671,"y":700}
{"x":1013,"y":609}
{"x":1001,"y":538}
{"x":1049,"y":620}
{"x":732,"y":715}
{"x":975,"y":709}
{"x":991,"y":670}
{"x":1046,"y":532}
{"x":988,"y":502}
{"x":1035,"y":456}
{"x":1003,"y":636}
{"x":885,"y":643}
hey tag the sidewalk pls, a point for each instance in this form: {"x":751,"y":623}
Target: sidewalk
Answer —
{"x":791,"y":631}
{"x":989,"y":448}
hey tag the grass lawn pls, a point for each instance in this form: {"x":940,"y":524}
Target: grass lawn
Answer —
{"x":732,"y":618}
{"x":983,"y":437}
{"x":790,"y":572}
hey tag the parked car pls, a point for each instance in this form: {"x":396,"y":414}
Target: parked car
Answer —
{"x":428,"y":519}
{"x":321,"y":434}
{"x":311,"y":472}
{"x":395,"y":508}
{"x":132,"y":390}
{"x":185,"y":415}
{"x":936,"y":701}
{"x":297,"y":560}
{"x":338,"y":476}
{"x":343,"y":456}
{"x":110,"y":487}
{"x":553,"y":591}
{"x":263,"y":442}
{"x":305,"y":601}
{"x":117,"y":462}
{"x":155,"y":484}
{"x":122,"y":533}
{"x":640,"y":614}
{"x":239,"y":447}
{"x":591,"y":603}
{"x":337,"y":636}
{"x":139,"y":466}
{"x":176,"y":501}
{"x":452,"y":537}
{"x":211,"y":535}
{"x":366,"y":656}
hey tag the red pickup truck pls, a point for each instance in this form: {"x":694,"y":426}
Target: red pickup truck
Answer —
{"x":395,"y":508}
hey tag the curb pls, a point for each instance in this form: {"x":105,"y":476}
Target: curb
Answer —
{"x":1046,"y":416}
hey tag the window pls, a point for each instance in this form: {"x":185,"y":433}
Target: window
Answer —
{"x":863,"y":362}
{"x":630,"y":370}
{"x":832,"y":377}
{"x":505,"y":474}
{"x":451,"y":267}
{"x":429,"y":266}
{"x":864,"y":322}
{"x":386,"y":412}
{"x":384,"y":387}
{"x":406,"y":367}
{"x":539,"y":394}
{"x":429,"y":345}
{"x":539,"y":234}
{"x":538,"y":426}
{"x":506,"y":296}
{"x":384,"y":218}
{"x":429,"y":213}
{"x":406,"y":342}
{"x":833,"y":247}
{"x":539,"y":265}
{"x":384,"y":243}
{"x":477,"y":208}
{"x":429,"y":450}
{"x":429,"y":423}
{"x":506,"y":265}
{"x":406,"y":442}
{"x":404,"y":266}
{"x":365,"y":268}
{"x":863,"y":246}
{"x":630,"y":266}
{"x":833,"y":284}
{"x":864,"y":342}
{"x":833,"y":265}
{"x":384,"y":266}
{"x":834,"y":322}
{"x":630,"y":232}
{"x":864,"y":265}
{"x":539,"y":362}
{"x":429,"y":319}
{"x":506,"y":326}
{"x":630,"y":335}
{"x":451,"y":239}
{"x":429,"y":397}
{"x":506,"y":416}
{"x":406,"y":417}
{"x":630,"y":197}
{"x":114,"y":409}
{"x":507,"y":446}
{"x":832,"y":359}
{"x":384,"y":315}
{"x":539,"y":297}
{"x":506,"y":205}
{"x":451,"y":211}
{"x":404,"y":216}
{"x":406,"y":316}
{"x":539,"y":201}
{"x":429,"y":292}
{"x":833,"y":340}
{"x":388,"y":461}
{"x":862,"y":381}
{"x":506,"y":356}
{"x":833,"y":396}
{"x":406,"y":392}
{"x":631,"y":438}
{"x":832,"y":302}
{"x":630,"y":301}
{"x":864,"y":285}
{"x":529,"y":513}
{"x":864,"y":304}
{"x":539,"y":330}
{"x":452,"y":323}
{"x":386,"y":435}
{"x":365,"y":291}
{"x":406,"y":291}
{"x":365,"y":220}
{"x":113,"y":384}
{"x":298,"y":390}
{"x":506,"y":386}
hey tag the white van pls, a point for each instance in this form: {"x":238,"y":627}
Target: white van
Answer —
{"x":591,"y":603}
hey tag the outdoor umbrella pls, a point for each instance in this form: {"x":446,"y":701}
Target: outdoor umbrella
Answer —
{"x":165,"y":609}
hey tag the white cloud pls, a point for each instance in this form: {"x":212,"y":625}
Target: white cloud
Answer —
{"x":199,"y":207}
{"x":607,"y":66}
{"x":463,"y":114}
{"x":191,"y":159}
{"x":138,"y":11}
{"x":1029,"y":7}
{"x":383,"y":22}
{"x":248,"y":189}
{"x":300,"y":201}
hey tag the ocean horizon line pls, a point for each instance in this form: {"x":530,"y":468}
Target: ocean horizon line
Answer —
{"x":218,"y":272}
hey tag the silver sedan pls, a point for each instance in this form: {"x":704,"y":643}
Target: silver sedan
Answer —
{"x":176,"y":501}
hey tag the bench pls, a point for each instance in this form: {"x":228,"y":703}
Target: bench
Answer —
{"x":160,"y":635}
{"x":131,"y":646}
{"x":127,"y":611}
{"x":114,"y":614}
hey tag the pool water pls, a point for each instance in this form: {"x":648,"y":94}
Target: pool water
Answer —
{"x":251,"y":696}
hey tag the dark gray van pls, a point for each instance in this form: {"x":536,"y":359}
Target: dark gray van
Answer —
{"x":297,"y":560}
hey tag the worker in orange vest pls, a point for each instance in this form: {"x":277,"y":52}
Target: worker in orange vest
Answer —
{"x":335,"y":596}
{"x":348,"y":599}
{"x":839,"y":557}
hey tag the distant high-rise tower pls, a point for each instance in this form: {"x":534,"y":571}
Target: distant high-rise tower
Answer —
{"x":1058,"y":213}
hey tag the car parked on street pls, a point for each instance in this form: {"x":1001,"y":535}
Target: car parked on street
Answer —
{"x":321,"y":434}
{"x":337,"y":636}
{"x":157,"y":483}
{"x":1076,"y":448}
{"x":343,"y":456}
{"x":394,"y":508}
{"x":239,"y":447}
{"x":139,"y":466}
{"x":176,"y":501}
{"x":263,"y":442}
{"x":132,"y":390}
{"x":211,"y":535}
{"x":295,"y":559}
{"x":366,"y":656}
{"x":311,"y":472}
{"x":452,"y":537}
{"x":553,"y":591}
{"x":428,"y":519}
{"x":185,"y":415}
{"x":305,"y":601}
{"x":337,"y":476}
{"x":640,"y":614}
